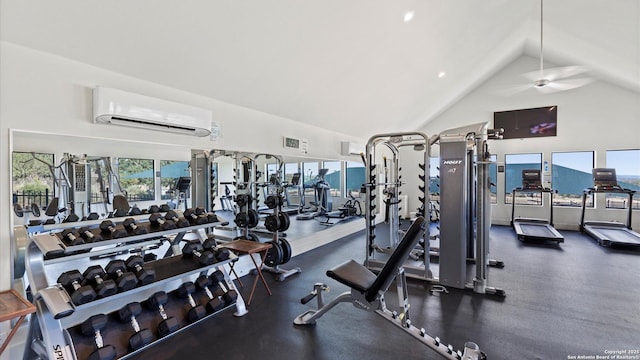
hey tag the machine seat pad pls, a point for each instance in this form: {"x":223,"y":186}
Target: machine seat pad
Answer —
{"x":353,"y":274}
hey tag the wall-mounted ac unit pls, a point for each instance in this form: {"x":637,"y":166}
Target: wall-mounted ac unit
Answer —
{"x":351,"y":148}
{"x":117,"y":107}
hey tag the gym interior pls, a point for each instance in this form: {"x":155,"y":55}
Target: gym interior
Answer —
{"x":215,"y":179}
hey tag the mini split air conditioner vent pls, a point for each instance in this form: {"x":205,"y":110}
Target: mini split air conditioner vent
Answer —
{"x":117,"y":107}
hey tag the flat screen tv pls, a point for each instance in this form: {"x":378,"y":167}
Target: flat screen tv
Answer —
{"x":527,"y":123}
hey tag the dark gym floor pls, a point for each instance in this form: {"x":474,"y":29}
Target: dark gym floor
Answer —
{"x":569,"y":300}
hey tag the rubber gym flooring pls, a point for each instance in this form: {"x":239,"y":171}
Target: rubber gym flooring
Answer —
{"x":576,"y":299}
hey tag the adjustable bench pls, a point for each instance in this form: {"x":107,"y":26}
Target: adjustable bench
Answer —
{"x":367,"y":293}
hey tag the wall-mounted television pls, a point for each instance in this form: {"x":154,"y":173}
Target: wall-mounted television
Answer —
{"x":527,"y":123}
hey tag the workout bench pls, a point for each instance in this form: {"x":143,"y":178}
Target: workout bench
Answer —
{"x":367,"y":293}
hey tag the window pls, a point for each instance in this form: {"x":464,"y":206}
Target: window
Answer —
{"x":514,"y":164}
{"x":289,"y":170}
{"x":333,"y":177}
{"x":272,"y":168}
{"x":434,"y":178}
{"x":493,"y":179}
{"x":354,"y":177}
{"x":33,"y":181}
{"x":570,"y":175}
{"x":627,"y":165}
{"x":309,"y":171}
{"x":137,"y":178}
{"x":170,"y":172}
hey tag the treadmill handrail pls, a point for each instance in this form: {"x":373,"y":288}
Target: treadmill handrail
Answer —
{"x":591,"y":190}
{"x":541,"y":190}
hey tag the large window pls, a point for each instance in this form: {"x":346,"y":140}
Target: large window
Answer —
{"x":136,"y":177}
{"x":514,"y":164}
{"x":333,"y":177}
{"x":354,"y":178}
{"x":627,"y":165}
{"x":32,"y":179}
{"x":289,"y":170}
{"x":493,"y":179}
{"x":170,"y":172}
{"x":309,"y":171}
{"x":570,"y":175}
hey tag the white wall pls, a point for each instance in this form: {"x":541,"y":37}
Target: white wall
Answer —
{"x":598,"y":117}
{"x":52,"y":96}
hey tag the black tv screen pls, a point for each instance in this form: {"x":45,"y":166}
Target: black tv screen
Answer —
{"x":527,"y":123}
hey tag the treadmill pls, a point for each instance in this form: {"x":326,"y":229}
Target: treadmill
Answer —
{"x":609,"y":233}
{"x":530,"y":228}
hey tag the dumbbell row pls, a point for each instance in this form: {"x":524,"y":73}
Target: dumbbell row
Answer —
{"x":218,"y":296}
{"x":95,"y":282}
{"x":157,"y":222}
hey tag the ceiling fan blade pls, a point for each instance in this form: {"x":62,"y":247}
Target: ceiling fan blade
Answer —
{"x":569,"y":84}
{"x":555,"y":73}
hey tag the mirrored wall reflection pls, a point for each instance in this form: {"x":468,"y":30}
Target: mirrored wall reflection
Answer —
{"x":68,"y":176}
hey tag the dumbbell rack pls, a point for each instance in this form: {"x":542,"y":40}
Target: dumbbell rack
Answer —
{"x":55,"y":334}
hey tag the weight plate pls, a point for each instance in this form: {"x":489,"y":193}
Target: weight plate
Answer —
{"x":284,"y":221}
{"x":286,"y":250}
{"x":270,"y":202}
{"x":274,"y":254}
{"x":253,"y":219}
{"x":18,"y":210}
{"x":35,"y":210}
{"x":241,"y":219}
{"x":253,"y":237}
{"x":272,"y":223}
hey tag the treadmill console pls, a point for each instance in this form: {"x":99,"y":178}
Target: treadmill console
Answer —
{"x":531,"y":179}
{"x":605,"y":179}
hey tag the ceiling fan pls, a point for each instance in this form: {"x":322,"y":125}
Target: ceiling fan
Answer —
{"x":553,"y":79}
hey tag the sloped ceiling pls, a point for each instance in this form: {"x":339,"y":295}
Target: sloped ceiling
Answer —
{"x":338,"y":64}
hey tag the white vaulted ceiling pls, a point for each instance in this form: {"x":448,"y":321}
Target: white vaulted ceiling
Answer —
{"x":336,"y":64}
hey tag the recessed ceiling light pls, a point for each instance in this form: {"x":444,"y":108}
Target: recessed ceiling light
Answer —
{"x":441,"y":74}
{"x":408,"y":16}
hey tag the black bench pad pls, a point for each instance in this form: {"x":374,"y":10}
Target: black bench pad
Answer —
{"x":353,"y":274}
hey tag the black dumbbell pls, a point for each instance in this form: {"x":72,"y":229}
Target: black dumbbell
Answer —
{"x":118,"y":272}
{"x":80,"y":294}
{"x":153,"y":209}
{"x":92,"y":327}
{"x":196,"y":311}
{"x":140,"y":337}
{"x":135,"y":264}
{"x":157,"y":221}
{"x":194,"y":218}
{"x":108,"y":227}
{"x":180,"y":221}
{"x":168,"y":324}
{"x":71,"y":218}
{"x":220,"y":253}
{"x":93,"y":216}
{"x":229,"y":295}
{"x":215,"y":303}
{"x":88,"y":235}
{"x":211,"y":217}
{"x":132,"y":227}
{"x":120,"y":213}
{"x":164,"y":208}
{"x":193,"y":249}
{"x":95,"y":275}
{"x":135,"y":211}
{"x":71,"y":238}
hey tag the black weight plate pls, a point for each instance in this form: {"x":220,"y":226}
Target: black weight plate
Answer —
{"x":270,"y":202}
{"x":18,"y":210}
{"x":286,"y":250}
{"x":253,"y":237}
{"x":241,"y":219}
{"x":253,"y":219}
{"x":284,"y":221}
{"x":274,"y":255}
{"x":272,"y":223}
{"x":35,"y":210}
